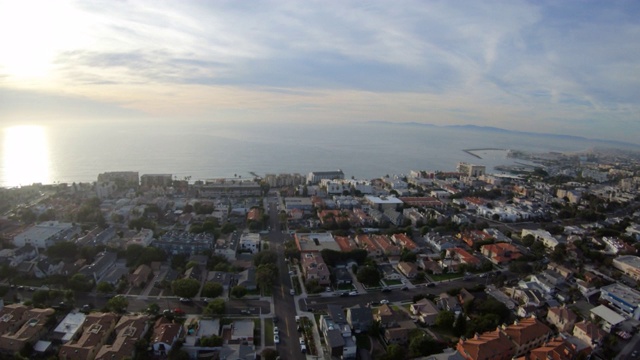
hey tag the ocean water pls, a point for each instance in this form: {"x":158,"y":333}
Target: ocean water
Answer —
{"x":79,"y":152}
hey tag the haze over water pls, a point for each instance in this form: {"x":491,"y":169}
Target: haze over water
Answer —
{"x":79,"y":153}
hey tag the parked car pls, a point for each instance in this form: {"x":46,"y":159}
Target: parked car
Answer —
{"x":404,"y":288}
{"x":353,"y":293}
{"x":276,"y":331}
{"x":185,"y":300}
{"x":301,"y":339}
{"x":431,"y":285}
{"x":384,"y":301}
{"x":292,"y":292}
{"x":386,"y":290}
{"x":276,"y":338}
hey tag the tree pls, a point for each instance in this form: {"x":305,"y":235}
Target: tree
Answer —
{"x":40,"y":296}
{"x":460,"y":325}
{"x":528,"y":240}
{"x":153,"y":309}
{"x":395,"y":352}
{"x":368,"y":275}
{"x":445,"y":319}
{"x":104,"y":287}
{"x":118,"y":304}
{"x":266,"y":275}
{"x":79,"y":282}
{"x":187,"y":288}
{"x":212,"y":341}
{"x":63,"y":250}
{"x":212,"y":289}
{"x":215,"y":307}
{"x":269,"y":354}
{"x":265,"y":257}
{"x":238,"y":291}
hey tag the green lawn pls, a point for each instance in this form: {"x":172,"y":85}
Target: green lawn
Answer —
{"x":363,"y":341}
{"x":392,"y":282}
{"x":442,"y":277}
{"x":268,"y":332}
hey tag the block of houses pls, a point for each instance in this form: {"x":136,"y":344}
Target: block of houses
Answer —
{"x":128,"y":330}
{"x":25,"y":326}
{"x":425,"y":310}
{"x":165,"y":334}
{"x":562,"y":318}
{"x":365,"y":242}
{"x":48,"y":267}
{"x":405,"y":242}
{"x":337,"y":333}
{"x":589,"y":332}
{"x":69,"y":327}
{"x":95,"y":332}
{"x":387,"y":246}
{"x":408,"y":269}
{"x":526,"y":334}
{"x":100,"y":267}
{"x":491,"y":345}
{"x":456,"y":256}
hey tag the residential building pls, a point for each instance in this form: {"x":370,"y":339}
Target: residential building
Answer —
{"x":527,"y":334}
{"x":425,"y":310}
{"x":365,"y":242}
{"x":555,"y":349}
{"x":140,"y":276}
{"x":129,"y":330}
{"x":410,"y":270}
{"x":314,"y":177}
{"x":387,"y":317}
{"x":156,"y":180}
{"x":589,"y":332}
{"x":501,"y":253}
{"x":384,"y":243}
{"x":608,"y":318}
{"x":69,"y":327}
{"x":562,"y":318}
{"x":165,"y":334}
{"x":121,"y":178}
{"x":360,"y":318}
{"x":405,"y":242}
{"x":26,"y":329}
{"x":222,"y":188}
{"x":491,"y":345}
{"x":103,"y":263}
{"x":398,"y":336}
{"x":315,"y":242}
{"x":242,"y":330}
{"x":182,"y":242}
{"x":247,"y":279}
{"x":544,"y":236}
{"x":45,"y":234}
{"x":383,"y":203}
{"x":250,"y":242}
{"x":95,"y":333}
{"x":346,"y":243}
{"x":628,"y":264}
{"x":314,"y":268}
{"x":471,"y":170}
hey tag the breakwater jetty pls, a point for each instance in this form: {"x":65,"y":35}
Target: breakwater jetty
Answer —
{"x":472,"y":151}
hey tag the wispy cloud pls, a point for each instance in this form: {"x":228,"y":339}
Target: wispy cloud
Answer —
{"x":568,"y":66}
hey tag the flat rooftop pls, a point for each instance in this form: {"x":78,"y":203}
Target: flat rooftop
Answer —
{"x":316,"y":242}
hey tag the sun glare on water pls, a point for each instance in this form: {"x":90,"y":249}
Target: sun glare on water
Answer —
{"x":25,"y":156}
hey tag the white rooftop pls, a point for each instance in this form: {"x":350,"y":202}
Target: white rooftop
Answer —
{"x":70,"y":325}
{"x":45,"y":230}
{"x":607,"y":314}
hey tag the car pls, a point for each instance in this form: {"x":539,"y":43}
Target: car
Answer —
{"x":301,"y":339}
{"x":276,"y":331}
{"x":205,"y":300}
{"x":384,"y":301}
{"x":483,"y":275}
{"x":303,"y":348}
{"x":32,"y":288}
{"x":327,"y":289}
{"x":20,"y":287}
{"x":431,"y":285}
{"x":353,"y":293}
{"x":292,"y":272}
{"x":178,"y":311}
{"x":13,"y":286}
{"x":276,"y":338}
{"x":185,"y":300}
{"x":344,"y":294}
{"x":386,"y":290}
{"x":297,"y":318}
{"x":292,"y":292}
{"x":85,"y":307}
{"x":245,"y":311}
{"x":275,"y":319}
{"x":404,"y":288}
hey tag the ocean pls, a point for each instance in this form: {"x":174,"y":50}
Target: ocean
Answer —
{"x":199,"y":150}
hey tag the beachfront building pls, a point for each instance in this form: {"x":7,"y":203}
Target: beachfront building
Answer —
{"x":314,"y":177}
{"x":628,"y":264}
{"x":45,"y":234}
{"x":471,"y":170}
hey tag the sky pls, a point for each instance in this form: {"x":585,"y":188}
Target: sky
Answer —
{"x":563,"y":67}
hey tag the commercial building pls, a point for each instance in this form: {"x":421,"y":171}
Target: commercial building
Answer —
{"x":471,"y":170}
{"x":315,"y":242}
{"x":46,"y":234}
{"x":153,"y":180}
{"x":628,"y":264}
{"x":314,"y":177}
{"x":623,"y":298}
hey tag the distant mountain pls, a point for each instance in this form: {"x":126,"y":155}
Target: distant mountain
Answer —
{"x":504,"y":131}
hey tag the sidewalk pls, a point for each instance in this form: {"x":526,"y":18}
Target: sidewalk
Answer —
{"x":307,"y":314}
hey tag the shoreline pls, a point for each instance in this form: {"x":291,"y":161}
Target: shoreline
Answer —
{"x":471,"y":151}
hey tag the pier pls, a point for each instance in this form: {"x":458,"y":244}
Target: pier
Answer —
{"x":471,"y":151}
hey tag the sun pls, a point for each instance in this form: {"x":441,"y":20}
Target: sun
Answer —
{"x":25,"y":156}
{"x":31,"y":34}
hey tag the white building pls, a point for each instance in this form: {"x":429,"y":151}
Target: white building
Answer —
{"x":623,"y":298}
{"x":314,"y":177}
{"x":250,"y":242}
{"x":46,"y":234}
{"x":629,"y":264}
{"x":609,"y":317}
{"x":547,"y":239}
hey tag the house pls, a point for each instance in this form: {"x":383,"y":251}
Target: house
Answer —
{"x":47,"y":267}
{"x":360,"y":318}
{"x":405,"y":242}
{"x":337,"y":333}
{"x":26,"y":329}
{"x":45,"y":234}
{"x":562,"y":318}
{"x":250,"y":242}
{"x":589,"y":332}
{"x":129,"y":330}
{"x":69,"y":327}
{"x":387,"y":317}
{"x":140,"y":276}
{"x":25,"y":253}
{"x":456,"y":256}
{"x":165,"y":334}
{"x":342,"y":276}
{"x":247,"y":279}
{"x":410,"y":270}
{"x":242,"y":330}
{"x":425,"y":310}
{"x":449,"y":303}
{"x":95,"y":333}
{"x":396,"y":335}
{"x":624,"y":299}
{"x":365,"y":242}
{"x":314,"y":268}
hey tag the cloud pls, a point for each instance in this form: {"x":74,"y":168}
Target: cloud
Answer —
{"x":515,"y":64}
